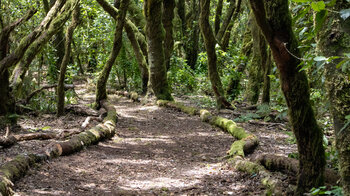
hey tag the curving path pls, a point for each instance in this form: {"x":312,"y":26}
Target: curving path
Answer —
{"x":156,"y":151}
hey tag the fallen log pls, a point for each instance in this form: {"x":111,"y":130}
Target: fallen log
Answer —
{"x":291,"y":166}
{"x":14,"y":169}
{"x":6,"y":142}
{"x":245,"y":144}
{"x":273,"y":185}
{"x":134,"y":96}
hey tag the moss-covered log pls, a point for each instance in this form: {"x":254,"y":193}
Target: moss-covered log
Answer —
{"x":14,"y":169}
{"x":291,"y":166}
{"x":273,"y":185}
{"x":245,"y":144}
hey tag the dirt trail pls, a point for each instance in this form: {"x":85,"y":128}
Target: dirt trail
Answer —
{"x":156,"y":151}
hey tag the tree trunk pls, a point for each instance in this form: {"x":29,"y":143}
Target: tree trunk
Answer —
{"x":181,"y":10}
{"x":101,"y":93}
{"x":334,"y":41}
{"x":274,"y":19}
{"x":155,"y":35}
{"x":130,"y":29}
{"x":210,"y":42}
{"x":265,"y":99}
{"x":191,"y":46}
{"x":65,"y":61}
{"x":22,"y":67}
{"x":218,"y":14}
{"x":168,"y":16}
{"x":234,"y":87}
{"x":227,"y":20}
{"x":257,"y":64}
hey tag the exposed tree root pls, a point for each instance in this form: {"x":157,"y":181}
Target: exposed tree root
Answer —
{"x":273,"y":185}
{"x":14,"y":169}
{"x":291,"y":166}
{"x":6,"y":142}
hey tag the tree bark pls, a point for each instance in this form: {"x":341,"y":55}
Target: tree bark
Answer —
{"x":265,"y":99}
{"x":168,"y":16}
{"x":130,"y":29}
{"x":274,"y":19}
{"x":18,"y":53}
{"x":333,"y":40}
{"x":65,"y":61}
{"x":181,"y":10}
{"x":218,"y":15}
{"x":22,"y":67}
{"x":226,"y":21}
{"x":210,"y":42}
{"x":101,"y":93}
{"x":192,"y":46}
{"x":155,"y":38}
{"x":258,"y":61}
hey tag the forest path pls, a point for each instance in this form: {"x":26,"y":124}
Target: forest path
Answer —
{"x":156,"y":151}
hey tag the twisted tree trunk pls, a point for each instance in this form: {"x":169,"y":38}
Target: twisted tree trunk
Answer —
{"x":274,"y":19}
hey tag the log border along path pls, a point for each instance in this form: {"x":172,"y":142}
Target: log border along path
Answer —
{"x":156,"y":151}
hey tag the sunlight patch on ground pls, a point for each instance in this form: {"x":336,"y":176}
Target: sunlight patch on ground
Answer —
{"x":208,"y":169}
{"x":134,"y":161}
{"x":149,"y":108}
{"x":158,"y":183}
{"x":147,"y":141}
{"x":44,"y":192}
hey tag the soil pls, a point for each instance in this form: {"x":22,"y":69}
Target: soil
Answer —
{"x":156,"y":151}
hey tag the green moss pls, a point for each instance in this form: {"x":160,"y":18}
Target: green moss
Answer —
{"x":237,"y":148}
{"x":205,"y":115}
{"x":162,"y":103}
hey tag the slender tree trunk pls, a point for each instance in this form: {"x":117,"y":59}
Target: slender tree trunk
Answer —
{"x":274,"y":19}
{"x":181,"y":10}
{"x":234,"y":87}
{"x":218,"y":16}
{"x":257,"y":64}
{"x":226,"y":21}
{"x":192,"y":45}
{"x":65,"y":60}
{"x":130,"y":29}
{"x":101,"y":93}
{"x":334,"y":41}
{"x":210,"y":42}
{"x":155,"y":36}
{"x":168,"y":16}
{"x":265,"y":99}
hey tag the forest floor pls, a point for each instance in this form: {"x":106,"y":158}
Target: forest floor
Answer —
{"x":156,"y":151}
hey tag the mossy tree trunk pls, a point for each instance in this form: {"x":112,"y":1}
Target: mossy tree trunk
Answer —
{"x":265,"y":99}
{"x":22,"y":67}
{"x":65,"y":61}
{"x":181,"y":11}
{"x":191,"y":46}
{"x":7,"y":103}
{"x":234,"y":87}
{"x":130,"y":29}
{"x":227,"y":20}
{"x":258,"y":61}
{"x":273,"y":17}
{"x":334,"y":41}
{"x":155,"y":37}
{"x":168,"y":16}
{"x":218,"y":14}
{"x":209,"y":41}
{"x":101,"y":93}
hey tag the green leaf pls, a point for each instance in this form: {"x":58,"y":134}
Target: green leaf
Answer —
{"x":320,"y":18}
{"x":301,"y":1}
{"x":320,"y":58}
{"x":340,"y":64}
{"x":344,"y":14}
{"x":318,"y":6}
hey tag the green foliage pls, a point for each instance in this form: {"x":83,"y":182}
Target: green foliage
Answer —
{"x":247,"y":117}
{"x":323,"y":190}
{"x":291,"y":138}
{"x":181,"y":77}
